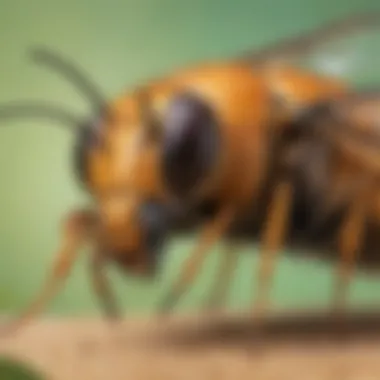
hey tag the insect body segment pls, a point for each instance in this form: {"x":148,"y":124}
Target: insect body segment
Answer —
{"x":343,"y":179}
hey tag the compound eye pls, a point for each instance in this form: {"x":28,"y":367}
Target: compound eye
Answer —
{"x":190,"y":143}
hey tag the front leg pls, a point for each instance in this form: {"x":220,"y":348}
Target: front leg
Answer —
{"x":211,"y":233}
{"x":76,"y":230}
{"x":102,"y":287}
{"x":107,"y":301}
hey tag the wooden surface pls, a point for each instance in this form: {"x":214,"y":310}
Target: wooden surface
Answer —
{"x":307,"y":347}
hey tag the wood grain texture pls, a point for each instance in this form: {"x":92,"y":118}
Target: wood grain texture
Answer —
{"x":298,"y":347}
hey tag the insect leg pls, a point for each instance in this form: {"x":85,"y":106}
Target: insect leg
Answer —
{"x":224,"y":275}
{"x":211,"y":233}
{"x":273,"y":238}
{"x":75,"y":231}
{"x":102,"y":287}
{"x":350,"y":240}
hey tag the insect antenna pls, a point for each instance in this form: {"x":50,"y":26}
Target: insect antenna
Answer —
{"x":73,"y":75}
{"x":32,"y":108}
{"x":41,"y":109}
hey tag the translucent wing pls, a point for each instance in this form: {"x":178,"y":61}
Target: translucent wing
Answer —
{"x":355,"y":58}
{"x":348,"y":48}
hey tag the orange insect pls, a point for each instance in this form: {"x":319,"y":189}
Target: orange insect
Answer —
{"x":217,"y":133}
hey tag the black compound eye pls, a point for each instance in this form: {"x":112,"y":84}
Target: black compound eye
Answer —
{"x":190,"y":143}
{"x":87,"y":139}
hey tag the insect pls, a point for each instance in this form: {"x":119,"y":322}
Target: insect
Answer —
{"x":205,"y":134}
{"x":345,"y":132}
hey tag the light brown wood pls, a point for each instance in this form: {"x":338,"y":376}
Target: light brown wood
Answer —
{"x":188,"y":347}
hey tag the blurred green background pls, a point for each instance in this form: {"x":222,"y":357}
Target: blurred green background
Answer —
{"x":120,"y":43}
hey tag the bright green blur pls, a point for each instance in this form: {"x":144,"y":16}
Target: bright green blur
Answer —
{"x":120,"y":43}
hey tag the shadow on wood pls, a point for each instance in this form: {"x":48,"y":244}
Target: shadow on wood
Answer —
{"x":291,"y":328}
